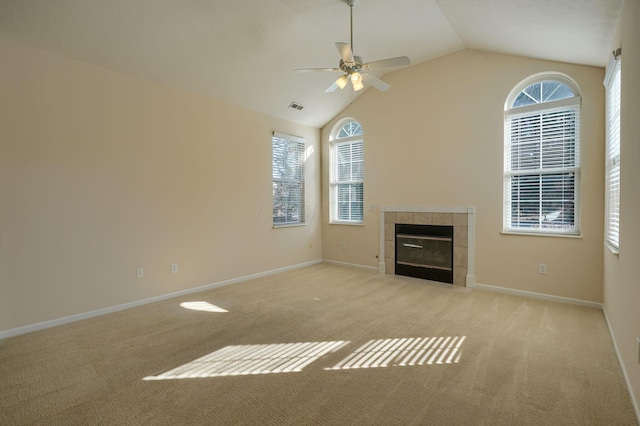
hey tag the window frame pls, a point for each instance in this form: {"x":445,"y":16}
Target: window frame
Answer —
{"x":335,"y":183}
{"x":297,"y":178}
{"x":612,"y":83}
{"x":563,"y":173}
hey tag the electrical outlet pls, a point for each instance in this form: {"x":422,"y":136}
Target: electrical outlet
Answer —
{"x":343,"y":245}
{"x":139,"y":273}
{"x":174,"y":268}
{"x":542,"y":268}
{"x":310,"y":245}
{"x":638,"y":340}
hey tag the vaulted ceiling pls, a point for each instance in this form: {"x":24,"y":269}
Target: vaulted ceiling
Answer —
{"x":244,"y":51}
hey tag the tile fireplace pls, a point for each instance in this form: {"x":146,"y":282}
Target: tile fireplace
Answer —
{"x":434,"y":243}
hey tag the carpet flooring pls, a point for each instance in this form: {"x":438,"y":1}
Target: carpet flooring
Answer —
{"x":321,"y":345}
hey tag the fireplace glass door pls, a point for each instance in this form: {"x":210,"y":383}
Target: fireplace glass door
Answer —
{"x":425,"y":251}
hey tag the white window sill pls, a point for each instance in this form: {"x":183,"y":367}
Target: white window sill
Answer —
{"x":541,"y":234}
{"x":288,"y":225}
{"x":613,"y":249}
{"x":347,"y":223}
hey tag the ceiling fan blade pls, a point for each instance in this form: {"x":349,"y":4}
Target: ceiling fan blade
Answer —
{"x":375,"y":82}
{"x":345,"y":52}
{"x":387,"y":63}
{"x":317,"y":69}
{"x":331,"y":88}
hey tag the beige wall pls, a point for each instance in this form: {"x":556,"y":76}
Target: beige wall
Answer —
{"x":101,"y":173}
{"x":436,"y":139}
{"x":621,"y":282}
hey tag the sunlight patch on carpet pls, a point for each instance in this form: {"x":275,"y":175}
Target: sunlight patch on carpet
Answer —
{"x":252,"y":359}
{"x":404,"y":351}
{"x":202,"y":306}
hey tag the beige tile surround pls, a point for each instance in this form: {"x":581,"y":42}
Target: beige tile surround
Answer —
{"x":461,"y":218}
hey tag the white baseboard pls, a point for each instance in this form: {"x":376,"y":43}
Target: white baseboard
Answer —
{"x":540,"y":296}
{"x":351,"y":265}
{"x":634,"y":400}
{"x":73,"y":318}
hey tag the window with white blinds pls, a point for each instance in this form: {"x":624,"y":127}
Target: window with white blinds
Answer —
{"x":542,"y":159}
{"x":347,"y":175}
{"x":612,"y":173}
{"x":288,"y":180}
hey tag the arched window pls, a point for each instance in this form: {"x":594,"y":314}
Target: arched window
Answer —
{"x":346,"y":173}
{"x":542,"y":156}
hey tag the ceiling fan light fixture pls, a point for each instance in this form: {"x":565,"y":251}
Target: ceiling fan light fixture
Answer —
{"x":356,"y":80}
{"x":342,"y":82}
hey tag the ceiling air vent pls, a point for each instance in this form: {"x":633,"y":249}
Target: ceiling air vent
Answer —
{"x":296,"y":105}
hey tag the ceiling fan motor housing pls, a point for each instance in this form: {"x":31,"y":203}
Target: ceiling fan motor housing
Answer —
{"x":351,"y":67}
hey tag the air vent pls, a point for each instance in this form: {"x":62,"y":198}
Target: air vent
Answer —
{"x":296,"y":105}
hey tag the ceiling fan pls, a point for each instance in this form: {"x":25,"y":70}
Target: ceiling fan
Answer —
{"x":354,"y":69}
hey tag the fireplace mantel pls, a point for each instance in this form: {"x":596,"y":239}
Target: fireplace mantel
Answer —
{"x":425,"y":215}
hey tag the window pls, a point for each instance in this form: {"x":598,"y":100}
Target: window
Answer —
{"x":542,"y":156}
{"x":347,"y":174}
{"x":612,"y":183}
{"x":288,"y":180}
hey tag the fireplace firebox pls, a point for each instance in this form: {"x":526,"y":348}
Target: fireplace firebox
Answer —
{"x":424,"y":251}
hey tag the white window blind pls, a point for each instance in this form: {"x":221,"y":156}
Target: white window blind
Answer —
{"x":542,"y":161}
{"x":288,"y":179}
{"x":347,"y":175}
{"x":612,"y":173}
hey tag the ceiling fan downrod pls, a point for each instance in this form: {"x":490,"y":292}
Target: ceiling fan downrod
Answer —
{"x":351,"y":3}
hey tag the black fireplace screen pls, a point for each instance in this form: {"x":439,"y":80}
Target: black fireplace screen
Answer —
{"x":425,"y":251}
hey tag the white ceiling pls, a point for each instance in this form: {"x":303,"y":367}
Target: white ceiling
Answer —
{"x":244,"y":51}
